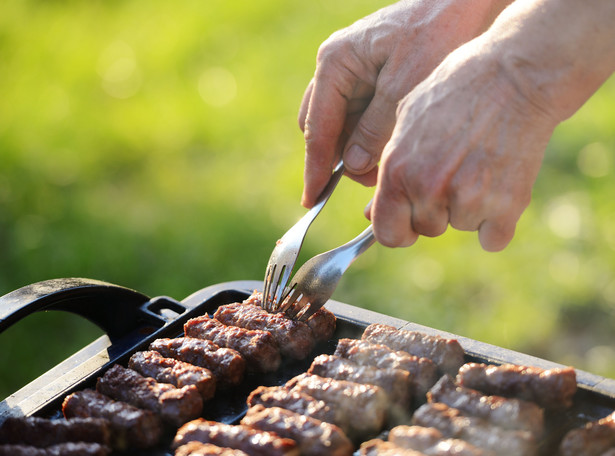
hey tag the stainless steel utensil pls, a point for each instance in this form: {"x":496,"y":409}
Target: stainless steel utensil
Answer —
{"x":315,"y":281}
{"x":286,"y":250}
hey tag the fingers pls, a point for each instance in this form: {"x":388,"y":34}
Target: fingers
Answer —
{"x":305,"y":103}
{"x":370,"y":135}
{"x":323,"y":115}
{"x":495,"y":235}
{"x":392,"y":221}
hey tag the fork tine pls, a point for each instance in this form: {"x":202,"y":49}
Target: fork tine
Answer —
{"x":282,"y":284}
{"x":296,"y":302}
{"x":307,"y":311}
{"x":289,"y":297}
{"x":270,"y":288}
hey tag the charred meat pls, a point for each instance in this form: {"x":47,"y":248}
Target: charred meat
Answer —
{"x":446,"y":353}
{"x":396,"y":383}
{"x":294,"y":338}
{"x":240,"y":437}
{"x":59,"y":449}
{"x":423,"y":370}
{"x":431,"y":441}
{"x":206,"y":449}
{"x":43,"y":432}
{"x":227,"y":364}
{"x":130,"y":426}
{"x":313,"y":436}
{"x":278,"y":396}
{"x":362,"y":407}
{"x":549,"y":388}
{"x":452,"y":424}
{"x":258,"y":347}
{"x":498,"y":410}
{"x":174,"y":405}
{"x":177,"y":373}
{"x":594,"y":439}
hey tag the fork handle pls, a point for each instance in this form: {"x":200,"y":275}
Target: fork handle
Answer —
{"x":352,"y":249}
{"x":310,"y":215}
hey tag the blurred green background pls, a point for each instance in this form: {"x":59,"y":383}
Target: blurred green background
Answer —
{"x":154,"y":145}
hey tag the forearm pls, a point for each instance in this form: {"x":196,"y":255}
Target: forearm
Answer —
{"x":556,"y":52}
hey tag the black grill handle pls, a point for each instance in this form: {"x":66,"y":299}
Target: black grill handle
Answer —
{"x":115,"y":309}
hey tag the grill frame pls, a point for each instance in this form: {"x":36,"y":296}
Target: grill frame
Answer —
{"x":131,"y":321}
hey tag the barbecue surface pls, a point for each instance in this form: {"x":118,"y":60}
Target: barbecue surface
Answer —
{"x":229,"y":405}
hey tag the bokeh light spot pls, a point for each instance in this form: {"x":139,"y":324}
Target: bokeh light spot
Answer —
{"x":594,"y":160}
{"x":564,"y":219}
{"x":217,"y":86}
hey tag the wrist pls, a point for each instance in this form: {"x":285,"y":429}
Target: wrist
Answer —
{"x":556,"y":53}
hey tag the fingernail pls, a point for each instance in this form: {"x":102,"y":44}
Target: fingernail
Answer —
{"x":356,"y":158}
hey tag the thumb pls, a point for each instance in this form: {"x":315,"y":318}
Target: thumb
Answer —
{"x":370,"y":135}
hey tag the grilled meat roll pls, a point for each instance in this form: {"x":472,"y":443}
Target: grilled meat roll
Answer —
{"x":240,"y":437}
{"x":227,"y":365}
{"x":314,"y":437}
{"x":174,"y":405}
{"x":361,"y":407}
{"x":446,"y":353}
{"x":498,"y":410}
{"x":378,"y":447}
{"x":206,"y":449}
{"x":177,"y":373}
{"x":594,"y":439}
{"x":278,"y":396}
{"x":294,"y":338}
{"x":396,"y":383}
{"x":549,"y":388}
{"x":451,"y":423}
{"x":43,"y":432}
{"x":258,"y":347}
{"x":322,"y":323}
{"x":431,"y":441}
{"x":59,"y":449}
{"x":423,"y":370}
{"x":130,"y":426}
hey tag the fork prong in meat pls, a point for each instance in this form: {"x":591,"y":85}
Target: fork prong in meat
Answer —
{"x":322,"y":323}
{"x":294,"y":338}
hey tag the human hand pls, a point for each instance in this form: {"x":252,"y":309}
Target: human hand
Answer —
{"x":466,"y":151}
{"x":364,"y":70}
{"x":470,"y":139}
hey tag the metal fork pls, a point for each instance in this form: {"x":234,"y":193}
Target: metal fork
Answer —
{"x":315,"y":281}
{"x":286,"y":250}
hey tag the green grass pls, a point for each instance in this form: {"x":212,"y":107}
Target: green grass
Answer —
{"x":155,"y":145}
